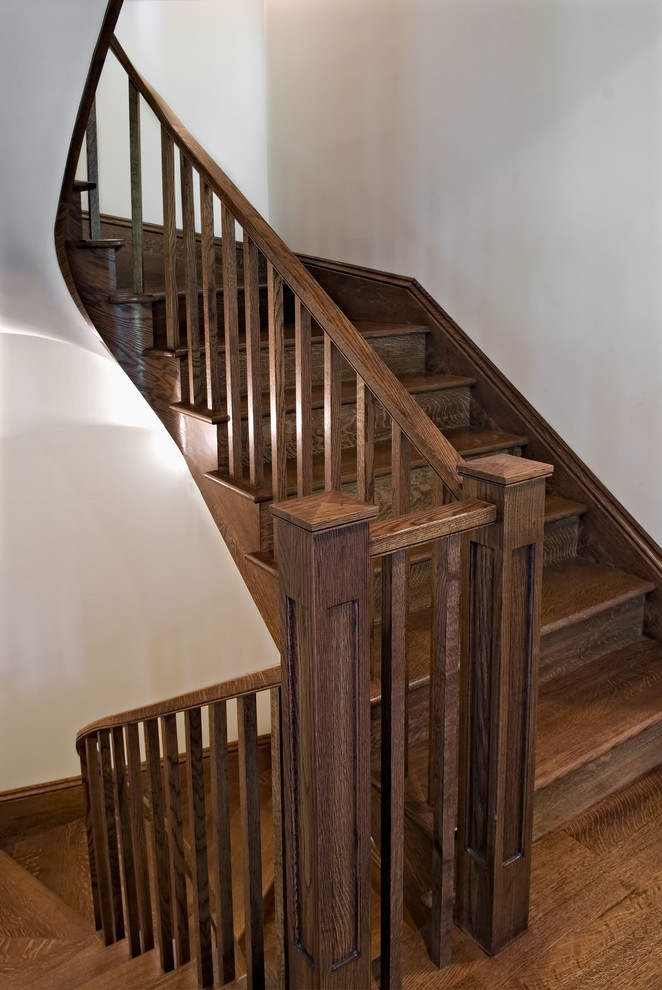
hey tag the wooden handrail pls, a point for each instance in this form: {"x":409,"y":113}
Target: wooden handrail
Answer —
{"x":424,"y":435}
{"x":261,"y":680}
{"x":403,"y":532}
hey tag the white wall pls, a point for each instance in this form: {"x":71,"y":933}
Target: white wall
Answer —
{"x":116,"y":588}
{"x":206,"y":58}
{"x":508,"y":155}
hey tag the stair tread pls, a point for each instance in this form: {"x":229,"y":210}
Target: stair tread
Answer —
{"x":592,"y":709}
{"x":467,"y":440}
{"x":577,"y":588}
{"x":31,"y":910}
{"x":144,"y":973}
{"x":557,"y":507}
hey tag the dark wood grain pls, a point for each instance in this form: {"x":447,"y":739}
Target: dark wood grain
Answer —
{"x":443,"y":746}
{"x":277,"y":806}
{"x":277,"y":384}
{"x":90,"y":836}
{"x":169,"y":239}
{"x":195,"y":393}
{"x":220,"y":801}
{"x":135,"y":160}
{"x":195,"y":777}
{"x":128,"y":857}
{"x":303,"y":399}
{"x":393,"y":672}
{"x":231,"y":322}
{"x":110,"y":823}
{"x":325,"y":594}
{"x":365,"y":442}
{"x":253,"y":371}
{"x":160,"y":850}
{"x":332,"y":397}
{"x":92,"y":156}
{"x":251,"y":849}
{"x":175,"y":828}
{"x":208,"y":264}
{"x":97,"y":815}
{"x":502,"y":575}
{"x":139,"y":841}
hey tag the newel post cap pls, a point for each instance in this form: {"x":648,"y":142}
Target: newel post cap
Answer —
{"x":324,"y":510}
{"x":505,"y":469}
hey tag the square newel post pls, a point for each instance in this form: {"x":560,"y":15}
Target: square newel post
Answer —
{"x":502,"y":575}
{"x":324,"y":575}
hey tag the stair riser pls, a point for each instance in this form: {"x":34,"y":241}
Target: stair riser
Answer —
{"x":404,"y":354}
{"x":574,"y":645}
{"x":574,"y":793}
{"x":446,"y":408}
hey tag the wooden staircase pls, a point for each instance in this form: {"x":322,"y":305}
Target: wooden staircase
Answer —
{"x":279,"y":377}
{"x":600,"y":717}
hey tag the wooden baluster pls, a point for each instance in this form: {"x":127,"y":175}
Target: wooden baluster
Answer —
{"x":208,"y":256}
{"x":160,"y":847}
{"x":400,"y":499}
{"x":304,"y":398}
{"x":444,"y":715}
{"x":108,"y":780}
{"x":324,"y":577}
{"x":139,"y":841}
{"x":136,"y":189}
{"x":199,"y":868}
{"x":365,"y":442}
{"x":92,"y":155}
{"x":332,"y":412}
{"x":169,"y":240}
{"x":233,"y":385}
{"x":393,"y":754}
{"x":89,"y":830}
{"x":277,"y":806}
{"x":98,"y":828}
{"x":173,"y":806}
{"x":220,"y":799}
{"x":277,"y":385}
{"x":502,"y":574}
{"x":249,"y":793}
{"x":191,"y":281}
{"x":128,"y":851}
{"x":253,"y":362}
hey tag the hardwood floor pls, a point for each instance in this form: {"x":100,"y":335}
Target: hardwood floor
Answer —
{"x":595,"y":924}
{"x":596,"y":909}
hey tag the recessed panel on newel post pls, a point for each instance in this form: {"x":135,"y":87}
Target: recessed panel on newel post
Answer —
{"x":502,"y":576}
{"x":324,"y":575}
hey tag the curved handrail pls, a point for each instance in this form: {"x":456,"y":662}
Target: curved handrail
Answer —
{"x":260,"y":680}
{"x":380,"y":380}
